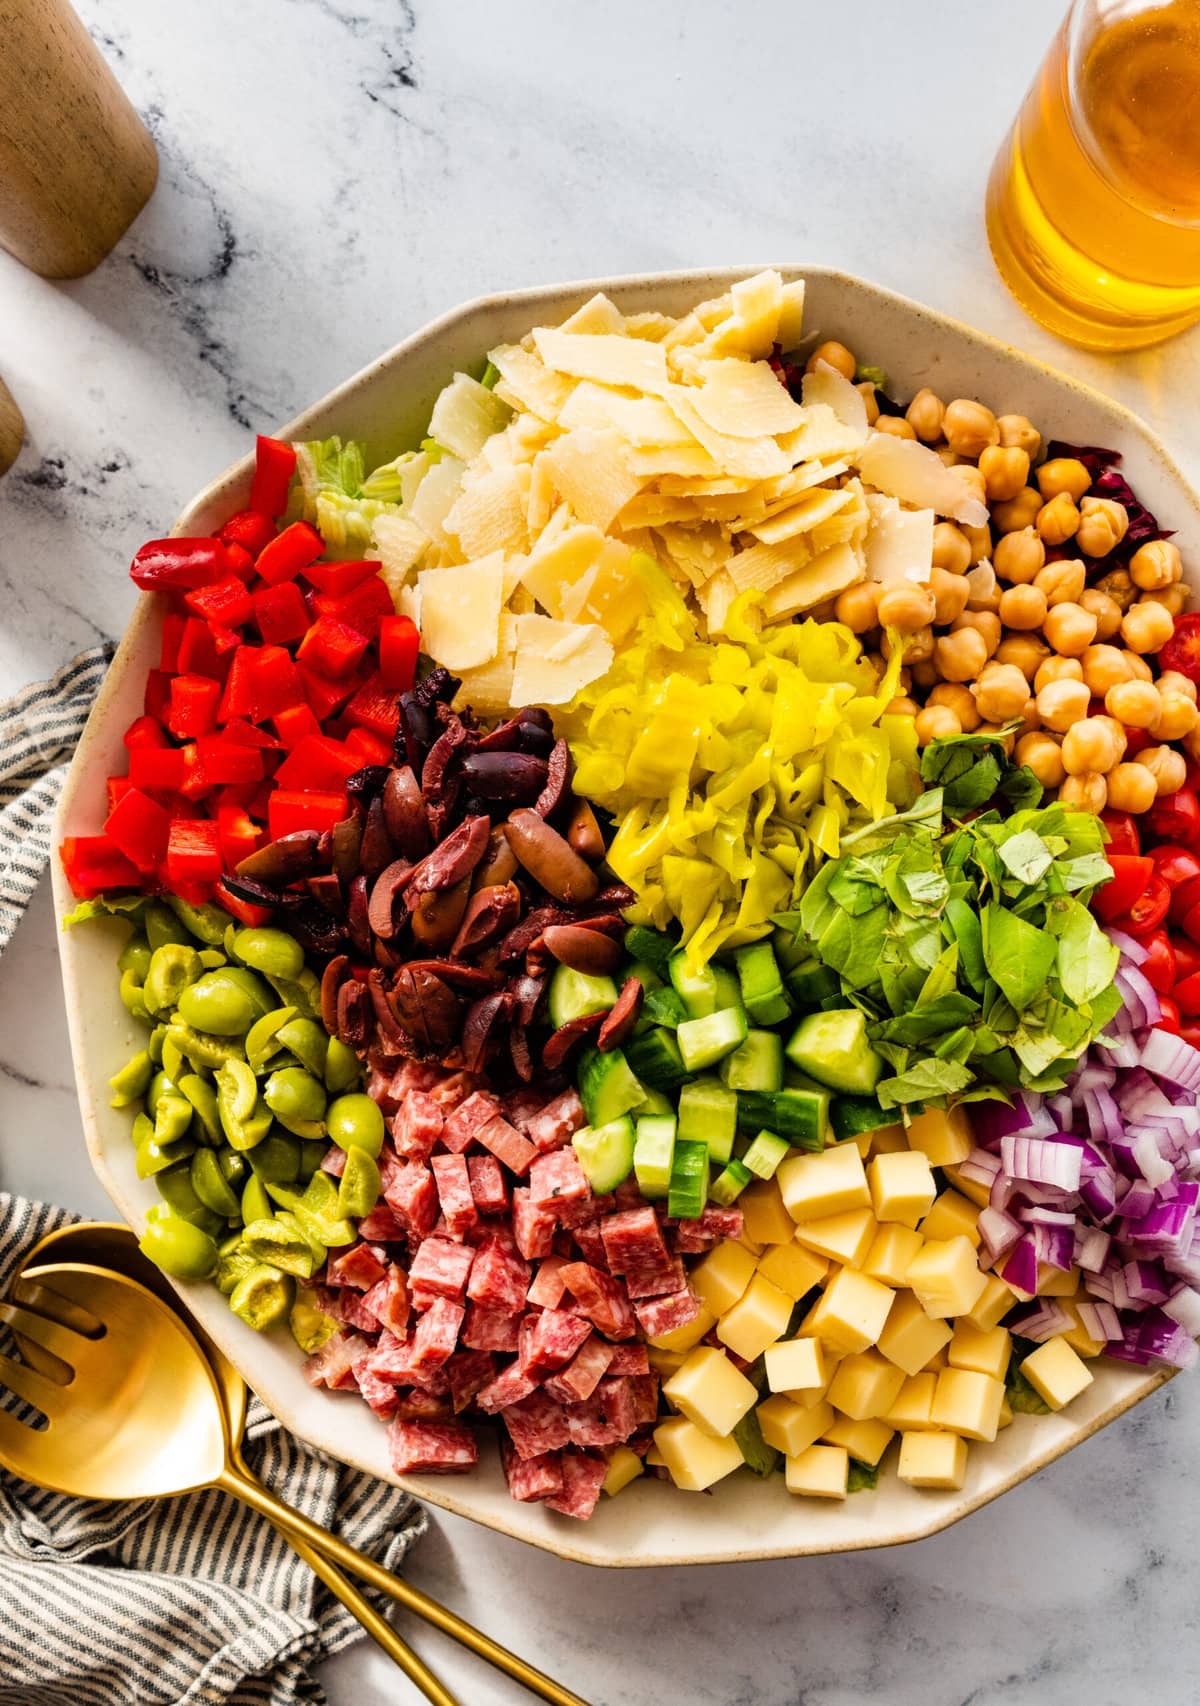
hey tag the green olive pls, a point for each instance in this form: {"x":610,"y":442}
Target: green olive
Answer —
{"x":270,"y":951}
{"x":312,"y":1153}
{"x":262,"y":1037}
{"x":210,"y":1185}
{"x":233,"y":1169}
{"x":203,"y":1098}
{"x":355,"y":1122}
{"x":310,"y":1326}
{"x":233,"y":1263}
{"x":132,"y":1081}
{"x":154,"y":1047}
{"x":303,"y":992}
{"x":309,"y":1042}
{"x":172,"y":1118}
{"x":263,"y":1298}
{"x":135,"y":957}
{"x":295,"y":1096}
{"x":179,"y":1248}
{"x":172,"y":968}
{"x":154,"y":1157}
{"x":207,"y":923}
{"x":160,"y":1085}
{"x":277,"y":1158}
{"x":177,"y":1191}
{"x":130,"y":991}
{"x":256,"y":1204}
{"x":281,"y":1243}
{"x":342,"y":1071}
{"x":174,"y":1062}
{"x":201,"y":1049}
{"x":218,"y":1004}
{"x":161,"y":925}
{"x":358,"y":1190}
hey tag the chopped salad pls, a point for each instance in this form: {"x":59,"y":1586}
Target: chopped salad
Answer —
{"x":667,"y":918}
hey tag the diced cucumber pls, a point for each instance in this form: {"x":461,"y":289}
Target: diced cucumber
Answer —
{"x":756,"y":1064}
{"x":646,"y":974}
{"x":802,"y":1116}
{"x":689,"y":1181}
{"x":790,"y":950}
{"x":761,"y":984}
{"x":696,"y":989}
{"x":850,"y":1116}
{"x":708,"y":1115}
{"x":605,"y":1153}
{"x":833,"y":1048}
{"x":642,"y":943}
{"x":655,"y":1057}
{"x":729,"y":990}
{"x":655,"y":1103}
{"x":760,"y":1458}
{"x":664,"y":1007}
{"x":653,"y":1154}
{"x":730,"y":1184}
{"x":573,"y":995}
{"x":703,"y":1042}
{"x":810,"y":983}
{"x":765,"y":1153}
{"x":607,"y":1086}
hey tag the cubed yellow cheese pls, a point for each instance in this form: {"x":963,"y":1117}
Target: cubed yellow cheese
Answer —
{"x":933,"y":1460}
{"x":756,"y":1320}
{"x":796,"y":1365}
{"x":845,"y":1238}
{"x":968,"y":1403}
{"x":888,"y":1140}
{"x":851,"y":1312}
{"x":902,"y":1186}
{"x":945,"y":1277}
{"x":821,"y":1472}
{"x":1077,"y":1335}
{"x":911,"y":1337}
{"x":1006,"y":1415}
{"x":624,"y":1466}
{"x":942,"y":1135}
{"x":654,"y":1457}
{"x":866,"y":1440}
{"x":995,"y":1301}
{"x":720,"y":1277}
{"x":862,"y":1142}
{"x":1057,"y":1282}
{"x":1056,"y":1372}
{"x":914,"y":1406}
{"x":792,"y":1268}
{"x":951,"y":1216}
{"x":710,"y":1391}
{"x":765,"y":1219}
{"x":816,"y":1186}
{"x":683,"y":1338}
{"x":937,"y":1362}
{"x":987,"y":1352}
{"x":665,"y":1362}
{"x":752,"y":1244}
{"x":791,"y":1427}
{"x":979,"y":1192}
{"x":693,"y":1458}
{"x":865,"y":1385}
{"x":892,"y":1249}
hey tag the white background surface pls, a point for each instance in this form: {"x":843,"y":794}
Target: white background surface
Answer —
{"x":334,"y":172}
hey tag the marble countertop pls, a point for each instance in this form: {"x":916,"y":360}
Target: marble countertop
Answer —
{"x":334,"y":172}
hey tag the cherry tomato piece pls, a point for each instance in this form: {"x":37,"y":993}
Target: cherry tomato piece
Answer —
{"x":1187,"y":956}
{"x":1186,"y":995}
{"x":1183,"y":899}
{"x":1147,"y":911}
{"x":1137,"y":740}
{"x":1190,"y":1034}
{"x":1169,"y":1018}
{"x":1159,"y":968}
{"x":1175,"y":865}
{"x":1130,"y":876}
{"x":1122,"y":833}
{"x":1176,"y":817}
{"x":1182,"y":650}
{"x":1191,"y":922}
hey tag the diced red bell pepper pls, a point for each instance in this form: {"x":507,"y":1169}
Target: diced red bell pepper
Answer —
{"x":1130,"y":875}
{"x":198,"y":653}
{"x":173,"y":625}
{"x":240,"y":561}
{"x":238,"y":698}
{"x":290,"y":810}
{"x":226,"y":603}
{"x":196,"y":894}
{"x":193,"y":707}
{"x":295,"y":724}
{"x":274,"y":465}
{"x":371,"y":748}
{"x":289,"y":552}
{"x":114,"y":788}
{"x":1176,"y":818}
{"x":332,"y":648}
{"x":226,"y":641}
{"x":399,"y":643}
{"x":1123,"y":834}
{"x":276,"y":683}
{"x":94,"y":863}
{"x":144,"y":731}
{"x":250,"y":530}
{"x":1186,"y":995}
{"x":280,"y":612}
{"x":222,"y":761}
{"x":195,"y":783}
{"x":157,"y":694}
{"x":1182,"y":651}
{"x":326,"y":696}
{"x":318,"y":764}
{"x":1159,"y":968}
{"x":1148,"y":910}
{"x":194,"y":852}
{"x":338,"y":579}
{"x":182,"y":564}
{"x":1191,"y":922}
{"x":238,"y":835}
{"x":240,"y":732}
{"x":243,"y":910}
{"x":363,"y":607}
{"x":376,"y":707}
{"x":139,"y":826}
{"x":159,"y":768}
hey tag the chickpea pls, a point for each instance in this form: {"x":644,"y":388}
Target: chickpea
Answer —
{"x":923,"y":674}
{"x":971,"y":478}
{"x":1171,"y":681}
{"x":1156,"y":565}
{"x":1031,"y":723}
{"x":961,"y":654}
{"x":1019,"y":556}
{"x":950,"y":594}
{"x":856,"y":607}
{"x":1089,"y":745}
{"x":924,"y":415}
{"x":1118,"y":731}
{"x":836,"y":355}
{"x":985,"y":622}
{"x":1131,"y":788}
{"x":1009,"y":740}
{"x":969,"y":427}
{"x":934,"y":722}
{"x":906,"y":607}
{"x":1001,"y":692}
{"x":870,"y":402}
{"x":1016,"y":513}
{"x":951,"y":549}
{"x":1057,"y":669}
{"x":1043,"y":757}
{"x":1025,"y":651}
{"x":980,"y":541}
{"x":902,"y":707}
{"x":1019,"y":433}
{"x":1134,"y":703}
{"x":1004,"y":472}
{"x":1168,"y":768}
{"x":895,"y":426}
{"x":1106,"y":610}
{"x":1139,"y":668}
{"x":1061,"y":704}
{"x":1177,"y":719}
{"x":1063,"y":475}
{"x":1023,"y":607}
{"x":952,"y":696}
{"x":1058,"y":519}
{"x":1061,"y":582}
{"x":1069,"y":628}
{"x":1105,"y":667}
{"x":946,"y":456}
{"x":915,"y":646}
{"x":1147,"y":625}
{"x":1117,"y":585}
{"x":1103,"y":523}
{"x":1087,"y":792}
{"x":1174,"y":598}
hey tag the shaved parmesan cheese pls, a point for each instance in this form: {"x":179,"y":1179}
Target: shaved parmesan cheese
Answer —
{"x":915,"y":474}
{"x":764,"y":566}
{"x":553,"y":569}
{"x":489,"y":514}
{"x":791,"y":314}
{"x":899,"y":543}
{"x":598,"y":314}
{"x":408,"y":603}
{"x":757,"y":303}
{"x":465,"y":416}
{"x":413,"y":470}
{"x":744,"y":399}
{"x":460,"y":611}
{"x":827,"y":385}
{"x":822,"y":435}
{"x":434,"y":497}
{"x":700,"y":551}
{"x":609,"y":359}
{"x":609,"y":593}
{"x":590,"y":470}
{"x":653,"y":327}
{"x":687,"y":460}
{"x":823,"y":578}
{"x":399,"y":545}
{"x":717,"y":599}
{"x":756,"y":458}
{"x":488,"y":688}
{"x":641,"y":421}
{"x":528,"y":383}
{"x":555,"y":659}
{"x":807,"y":512}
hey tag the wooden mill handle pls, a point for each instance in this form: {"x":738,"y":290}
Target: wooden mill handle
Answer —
{"x":76,"y":162}
{"x":12,"y":429}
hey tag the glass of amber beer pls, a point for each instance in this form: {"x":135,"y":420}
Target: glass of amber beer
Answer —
{"x":1093,"y":208}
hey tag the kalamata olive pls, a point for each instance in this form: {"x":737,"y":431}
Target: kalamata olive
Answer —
{"x":558,"y":780}
{"x":283,"y":861}
{"x":326,"y":890}
{"x":353,"y":1013}
{"x":560,"y":1044}
{"x":417,"y":731}
{"x":583,"y":950}
{"x":404,"y":813}
{"x":261,"y":894}
{"x":332,"y":979}
{"x":514,"y":776}
{"x":518,"y":1048}
{"x":438,"y":914}
{"x":427,"y":1009}
{"x":503,"y":738}
{"x":376,"y":852}
{"x":536,"y":717}
{"x":385,"y":898}
{"x":438,"y":686}
{"x":490,"y":912}
{"x":464,"y":979}
{"x":481,"y":1019}
{"x":548,"y":857}
{"x":583,"y":832}
{"x":315,"y":930}
{"x":614,"y":897}
{"x":528,"y":992}
{"x":347,"y":844}
{"x":390,"y":1028}
{"x":367,"y":781}
{"x":622,"y":1016}
{"x":499,"y":862}
{"x":454,"y":858}
{"x":358,"y":920}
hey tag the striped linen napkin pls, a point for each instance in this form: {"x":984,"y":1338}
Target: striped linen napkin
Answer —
{"x":178,"y":1602}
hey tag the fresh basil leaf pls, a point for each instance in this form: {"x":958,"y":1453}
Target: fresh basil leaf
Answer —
{"x":1026,"y":856}
{"x":932,"y":1020}
{"x":925,"y":1081}
{"x":1087,"y":960}
{"x":956,"y":1045}
{"x":966,"y":934}
{"x":1020,"y":787}
{"x":1106,"y":1006}
{"x":943,"y":976}
{"x":1018,"y":956}
{"x":967,"y":767}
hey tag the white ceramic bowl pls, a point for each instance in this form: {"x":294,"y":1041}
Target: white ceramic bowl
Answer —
{"x":388,"y":405}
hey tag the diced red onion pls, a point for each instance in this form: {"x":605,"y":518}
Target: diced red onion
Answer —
{"x":998,"y":1232}
{"x":1040,"y":1320}
{"x":1091,"y":1247}
{"x":1021,"y":1266}
{"x":1139,"y":996}
{"x":1131,"y":948}
{"x":1184,"y":1306}
{"x":1100,"y":1321}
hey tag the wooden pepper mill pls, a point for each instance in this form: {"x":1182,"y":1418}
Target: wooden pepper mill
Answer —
{"x":12,"y":429}
{"x":76,"y":162}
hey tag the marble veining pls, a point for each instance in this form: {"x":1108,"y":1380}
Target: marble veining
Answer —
{"x":333,"y":173}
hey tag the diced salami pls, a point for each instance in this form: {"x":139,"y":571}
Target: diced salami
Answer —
{"x":334,"y":1161}
{"x":506,"y":1144}
{"x":412,"y":1075}
{"x":389,"y":1302}
{"x":353,"y":1310}
{"x":380,"y":1394}
{"x":381,"y":1225}
{"x":608,"y":1417}
{"x":656,"y":1282}
{"x":417,"y":1126}
{"x":489,"y":1187}
{"x":692,"y":1237}
{"x":389,"y":1164}
{"x":659,"y":1315}
{"x":437,"y":1333}
{"x":587,"y":1208}
{"x":553,"y":1340}
{"x":359,"y":1266}
{"x":634,"y":1241}
{"x":389,"y":1358}
{"x":532,"y":1478}
{"x":510,"y":1386}
{"x":468,"y":1373}
{"x":413,"y":1198}
{"x":536,"y":1424}
{"x":467,"y":1120}
{"x":345,"y":1382}
{"x":431,"y":1447}
{"x":579,"y":1379}
{"x":583,"y":1476}
{"x":629,"y":1359}
{"x":645,"y":1399}
{"x":522,"y":1108}
{"x":499,"y":1278}
{"x":548,"y":1284}
{"x":453,"y":1184}
{"x":335,"y":1358}
{"x":558,"y":1179}
{"x":590,"y":1240}
{"x":420,"y":1401}
{"x":629,"y":1193}
{"x":533,"y":1225}
{"x":451,"y":1090}
{"x":555,"y":1123}
{"x":600,"y":1299}
{"x":490,"y":1329}
{"x":440,"y":1268}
